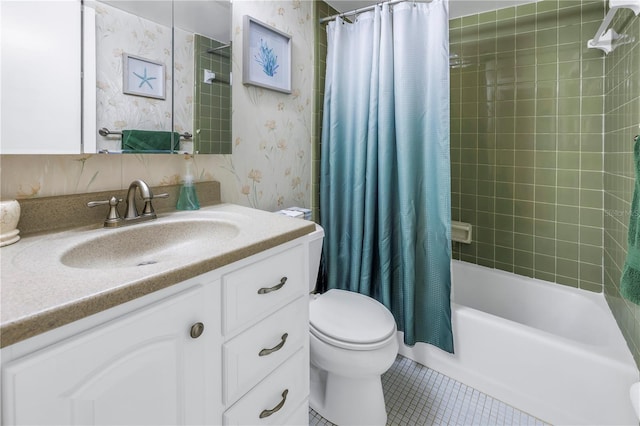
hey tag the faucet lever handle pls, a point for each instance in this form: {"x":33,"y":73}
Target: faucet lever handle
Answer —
{"x":148,"y":207}
{"x":113,"y":216}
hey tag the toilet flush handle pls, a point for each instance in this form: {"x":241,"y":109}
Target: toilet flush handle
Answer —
{"x":265,"y":290}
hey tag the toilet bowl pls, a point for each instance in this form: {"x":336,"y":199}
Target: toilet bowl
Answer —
{"x":352,"y":343}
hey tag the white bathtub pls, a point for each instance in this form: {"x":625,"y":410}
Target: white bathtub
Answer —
{"x":552,"y":351}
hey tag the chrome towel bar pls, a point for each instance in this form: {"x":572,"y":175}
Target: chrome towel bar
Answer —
{"x":106,"y":132}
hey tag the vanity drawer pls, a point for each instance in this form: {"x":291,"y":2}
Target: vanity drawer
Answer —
{"x":300,"y":415}
{"x":251,"y":293}
{"x":277,"y":398}
{"x":252,"y":355}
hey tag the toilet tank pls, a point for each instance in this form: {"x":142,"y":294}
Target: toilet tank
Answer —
{"x":315,"y":253}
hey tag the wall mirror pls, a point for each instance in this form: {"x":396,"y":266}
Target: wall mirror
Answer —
{"x":179,"y":51}
{"x":163,"y":76}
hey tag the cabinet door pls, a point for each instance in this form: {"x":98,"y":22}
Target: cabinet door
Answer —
{"x":41,"y":77}
{"x":142,"y":368}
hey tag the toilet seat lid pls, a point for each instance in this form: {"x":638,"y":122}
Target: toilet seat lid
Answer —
{"x":351,"y":317}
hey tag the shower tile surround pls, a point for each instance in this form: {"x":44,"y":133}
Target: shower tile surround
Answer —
{"x":621,"y":124}
{"x":526,"y":140}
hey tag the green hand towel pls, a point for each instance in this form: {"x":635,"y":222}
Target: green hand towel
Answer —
{"x":630,"y":281}
{"x":149,"y":141}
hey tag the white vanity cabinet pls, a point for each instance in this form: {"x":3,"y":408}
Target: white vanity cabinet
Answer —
{"x":145,"y":362}
{"x":144,"y":367}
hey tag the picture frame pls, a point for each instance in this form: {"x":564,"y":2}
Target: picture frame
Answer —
{"x":266,"y":58}
{"x":143,"y":77}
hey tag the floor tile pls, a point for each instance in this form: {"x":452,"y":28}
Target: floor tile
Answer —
{"x":418,"y":395}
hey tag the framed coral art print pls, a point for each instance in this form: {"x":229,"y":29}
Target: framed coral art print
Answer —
{"x":142,"y":77}
{"x":266,"y":58}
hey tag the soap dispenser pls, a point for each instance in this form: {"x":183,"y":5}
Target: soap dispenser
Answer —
{"x":188,"y":199}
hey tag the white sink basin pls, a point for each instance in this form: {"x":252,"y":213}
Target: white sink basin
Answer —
{"x":148,"y":243}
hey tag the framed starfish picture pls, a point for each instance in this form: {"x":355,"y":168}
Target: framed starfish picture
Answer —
{"x":142,"y":77}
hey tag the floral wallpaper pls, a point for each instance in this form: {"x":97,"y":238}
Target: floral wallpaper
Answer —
{"x":119,"y":32}
{"x":270,"y":167}
{"x":271,"y":163}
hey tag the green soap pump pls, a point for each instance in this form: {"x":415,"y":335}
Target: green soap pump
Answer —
{"x":188,"y":199}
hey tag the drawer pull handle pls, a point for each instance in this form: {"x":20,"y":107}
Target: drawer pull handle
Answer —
{"x":196,"y":330}
{"x":265,"y":290}
{"x":265,"y":352}
{"x":267,"y":413}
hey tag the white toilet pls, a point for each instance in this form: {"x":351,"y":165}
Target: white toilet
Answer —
{"x":353,"y":342}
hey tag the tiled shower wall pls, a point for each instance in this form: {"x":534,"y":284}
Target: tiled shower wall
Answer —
{"x":622,"y":119}
{"x":212,"y":106}
{"x":526,"y":140}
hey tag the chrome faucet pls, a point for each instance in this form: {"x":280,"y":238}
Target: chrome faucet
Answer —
{"x":131,"y":215}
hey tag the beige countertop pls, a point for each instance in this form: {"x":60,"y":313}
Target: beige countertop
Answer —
{"x":39,"y":293}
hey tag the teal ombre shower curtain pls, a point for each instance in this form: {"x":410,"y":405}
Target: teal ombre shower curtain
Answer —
{"x":385,"y":173}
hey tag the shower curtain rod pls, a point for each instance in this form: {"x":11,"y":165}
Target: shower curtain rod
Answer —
{"x":363,"y":9}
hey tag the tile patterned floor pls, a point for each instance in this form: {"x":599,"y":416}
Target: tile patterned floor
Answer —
{"x":418,"y":395}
